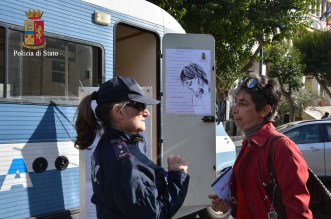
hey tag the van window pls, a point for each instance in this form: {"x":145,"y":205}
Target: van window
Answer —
{"x":52,"y":73}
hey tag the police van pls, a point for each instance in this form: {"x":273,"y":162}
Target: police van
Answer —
{"x":51,"y":53}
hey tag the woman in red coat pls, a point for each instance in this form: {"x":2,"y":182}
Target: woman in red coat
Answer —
{"x":256,"y":102}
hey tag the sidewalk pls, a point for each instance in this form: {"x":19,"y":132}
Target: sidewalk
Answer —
{"x":315,"y":112}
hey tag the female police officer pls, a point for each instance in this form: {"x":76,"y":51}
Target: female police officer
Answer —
{"x":126,"y":184}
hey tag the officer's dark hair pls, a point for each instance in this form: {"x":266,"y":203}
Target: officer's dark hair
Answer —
{"x":88,"y":125}
{"x":263,"y":91}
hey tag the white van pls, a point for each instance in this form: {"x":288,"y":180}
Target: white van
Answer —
{"x":225,"y":149}
{"x":79,"y":44}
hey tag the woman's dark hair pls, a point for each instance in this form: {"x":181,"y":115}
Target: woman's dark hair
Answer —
{"x":191,"y":71}
{"x":88,"y":124}
{"x":263,"y":91}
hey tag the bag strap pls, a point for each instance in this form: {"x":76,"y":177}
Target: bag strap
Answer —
{"x":271,"y":169}
{"x":275,"y":191}
{"x":320,"y":197}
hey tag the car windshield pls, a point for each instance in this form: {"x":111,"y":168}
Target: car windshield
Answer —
{"x":285,"y":126}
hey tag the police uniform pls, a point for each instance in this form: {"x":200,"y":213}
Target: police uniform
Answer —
{"x":127,"y":184}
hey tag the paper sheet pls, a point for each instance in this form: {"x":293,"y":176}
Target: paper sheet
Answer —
{"x":191,"y":97}
{"x":221,"y":184}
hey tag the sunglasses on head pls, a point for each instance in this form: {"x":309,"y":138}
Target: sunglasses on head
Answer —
{"x":137,"y":105}
{"x":250,"y":82}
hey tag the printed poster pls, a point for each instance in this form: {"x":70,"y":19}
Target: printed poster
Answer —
{"x":188,"y":75}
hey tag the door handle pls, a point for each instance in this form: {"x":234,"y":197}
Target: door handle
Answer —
{"x":313,"y":149}
{"x":208,"y":119}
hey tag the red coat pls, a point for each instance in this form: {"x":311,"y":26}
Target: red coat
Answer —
{"x":290,"y":169}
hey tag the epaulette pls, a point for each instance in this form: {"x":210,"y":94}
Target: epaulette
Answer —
{"x":137,"y":138}
{"x":121,"y":150}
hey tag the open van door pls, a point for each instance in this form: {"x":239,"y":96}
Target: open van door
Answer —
{"x":188,"y":111}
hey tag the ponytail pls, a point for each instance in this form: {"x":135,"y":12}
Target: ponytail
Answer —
{"x":86,"y":124}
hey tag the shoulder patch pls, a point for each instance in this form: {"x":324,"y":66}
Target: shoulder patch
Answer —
{"x":121,"y":150}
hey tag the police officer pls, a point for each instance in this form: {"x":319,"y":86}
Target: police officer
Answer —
{"x":126,"y":184}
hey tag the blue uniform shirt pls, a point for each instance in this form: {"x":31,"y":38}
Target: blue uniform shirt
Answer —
{"x":126,"y":184}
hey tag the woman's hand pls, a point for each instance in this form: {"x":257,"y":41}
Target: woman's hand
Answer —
{"x":177,"y":163}
{"x":218,"y":204}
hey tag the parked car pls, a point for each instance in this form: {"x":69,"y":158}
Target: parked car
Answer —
{"x":327,"y":118}
{"x":285,"y":126}
{"x":313,"y":137}
{"x":237,"y":140}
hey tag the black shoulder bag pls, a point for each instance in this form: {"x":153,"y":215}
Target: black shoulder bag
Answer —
{"x":320,"y":197}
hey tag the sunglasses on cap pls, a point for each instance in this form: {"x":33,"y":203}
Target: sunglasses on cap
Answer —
{"x":136,"y":105}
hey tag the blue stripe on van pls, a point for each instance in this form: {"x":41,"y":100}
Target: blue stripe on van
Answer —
{"x":35,"y":123}
{"x":52,"y":191}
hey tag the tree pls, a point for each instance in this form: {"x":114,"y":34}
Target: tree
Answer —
{"x":241,"y":29}
{"x":175,"y":8}
{"x":302,"y":98}
{"x":316,"y":52}
{"x":284,"y":63}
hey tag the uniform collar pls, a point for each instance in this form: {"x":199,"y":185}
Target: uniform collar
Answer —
{"x":261,"y":136}
{"x":116,"y":134}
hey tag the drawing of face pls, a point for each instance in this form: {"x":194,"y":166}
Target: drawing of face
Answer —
{"x":193,"y":84}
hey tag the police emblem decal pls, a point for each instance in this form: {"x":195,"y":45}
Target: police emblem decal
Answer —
{"x":34,"y":30}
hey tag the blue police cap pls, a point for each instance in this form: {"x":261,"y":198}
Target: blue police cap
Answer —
{"x":120,"y":89}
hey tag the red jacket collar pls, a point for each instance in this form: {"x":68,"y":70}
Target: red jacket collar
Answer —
{"x":261,"y":136}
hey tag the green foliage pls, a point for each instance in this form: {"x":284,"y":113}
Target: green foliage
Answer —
{"x":284,"y":63}
{"x":175,"y":8}
{"x":316,"y":52}
{"x":302,"y":98}
{"x":240,"y":28}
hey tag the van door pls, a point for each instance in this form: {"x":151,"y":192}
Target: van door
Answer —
{"x":188,"y":110}
{"x":137,"y":56}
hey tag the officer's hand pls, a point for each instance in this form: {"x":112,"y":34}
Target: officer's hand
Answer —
{"x":177,"y":163}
